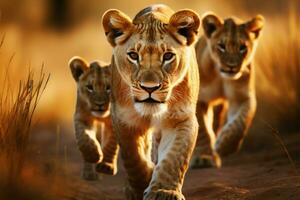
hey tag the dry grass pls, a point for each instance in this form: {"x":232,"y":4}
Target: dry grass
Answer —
{"x":17,"y":108}
{"x":278,"y":69}
{"x":275,"y":133}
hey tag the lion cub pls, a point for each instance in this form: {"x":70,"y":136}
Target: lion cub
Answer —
{"x":92,"y":121}
{"x":224,"y":56}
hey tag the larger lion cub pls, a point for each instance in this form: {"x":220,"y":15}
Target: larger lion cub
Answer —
{"x":224,"y":56}
{"x":92,"y":120}
{"x":155,"y":84}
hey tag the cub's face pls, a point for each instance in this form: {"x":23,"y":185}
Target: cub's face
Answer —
{"x":232,"y":44}
{"x":93,"y":86}
{"x":151,"y":54}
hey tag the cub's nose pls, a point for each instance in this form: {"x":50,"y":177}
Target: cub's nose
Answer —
{"x":150,"y":87}
{"x":101,"y":106}
{"x":232,"y":64}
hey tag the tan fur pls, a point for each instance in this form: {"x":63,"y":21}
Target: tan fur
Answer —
{"x":224,"y":56}
{"x":142,"y":68}
{"x":92,"y":120}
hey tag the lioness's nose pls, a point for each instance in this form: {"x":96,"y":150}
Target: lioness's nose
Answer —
{"x":150,"y":87}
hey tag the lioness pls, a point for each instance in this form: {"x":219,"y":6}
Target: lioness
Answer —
{"x":155,"y":85}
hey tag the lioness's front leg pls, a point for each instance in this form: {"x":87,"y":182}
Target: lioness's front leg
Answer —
{"x":240,"y":116}
{"x":135,"y":150}
{"x":87,"y":141}
{"x":204,"y":154}
{"x":110,"y":152}
{"x":175,"y":149}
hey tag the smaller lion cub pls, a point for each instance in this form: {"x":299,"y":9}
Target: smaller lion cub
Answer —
{"x":92,"y":120}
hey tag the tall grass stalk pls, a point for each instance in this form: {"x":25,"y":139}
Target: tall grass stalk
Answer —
{"x":18,"y":103}
{"x":278,"y":66}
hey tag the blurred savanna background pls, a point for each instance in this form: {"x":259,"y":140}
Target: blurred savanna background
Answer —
{"x":38,"y":154}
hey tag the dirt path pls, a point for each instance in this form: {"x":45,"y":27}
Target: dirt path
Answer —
{"x":263,"y":181}
{"x":259,"y":175}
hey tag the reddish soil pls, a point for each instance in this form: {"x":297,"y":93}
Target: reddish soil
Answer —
{"x":264,"y":174}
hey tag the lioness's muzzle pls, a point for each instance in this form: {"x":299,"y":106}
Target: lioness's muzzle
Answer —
{"x":150,"y":87}
{"x":148,"y":100}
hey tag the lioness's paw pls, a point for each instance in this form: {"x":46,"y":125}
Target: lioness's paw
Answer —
{"x":90,"y":149}
{"x":107,"y":168}
{"x":162,"y":194}
{"x":207,"y":161}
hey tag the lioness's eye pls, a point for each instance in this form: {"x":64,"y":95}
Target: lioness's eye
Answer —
{"x":133,"y":56}
{"x":168,"y":56}
{"x":243,"y":48}
{"x":89,"y":87}
{"x":222,"y":47}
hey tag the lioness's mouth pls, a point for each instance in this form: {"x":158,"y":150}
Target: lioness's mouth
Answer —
{"x":148,"y":100}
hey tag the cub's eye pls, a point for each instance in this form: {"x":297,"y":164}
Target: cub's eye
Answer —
{"x":108,"y":89}
{"x":133,"y":56}
{"x":243,"y":48}
{"x":168,"y":56}
{"x":221,"y":47}
{"x":89,"y":87}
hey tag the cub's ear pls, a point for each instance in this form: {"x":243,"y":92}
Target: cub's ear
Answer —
{"x":211,"y":23}
{"x":255,"y":25}
{"x":184,"y":25}
{"x":78,"y":66}
{"x":101,"y":66}
{"x":95,"y":65}
{"x":107,"y":71}
{"x":117,"y":26}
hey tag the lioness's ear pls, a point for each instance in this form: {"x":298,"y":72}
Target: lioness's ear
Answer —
{"x":78,"y":66}
{"x":117,"y":26}
{"x":184,"y":25}
{"x":255,"y":25}
{"x":211,"y":23}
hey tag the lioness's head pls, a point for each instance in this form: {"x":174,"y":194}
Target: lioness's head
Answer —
{"x":93,"y":85}
{"x":232,"y":44}
{"x":152,"y":52}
